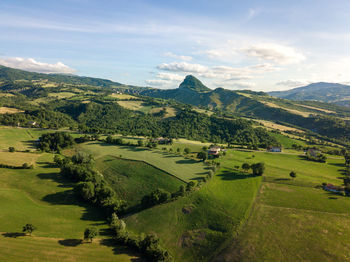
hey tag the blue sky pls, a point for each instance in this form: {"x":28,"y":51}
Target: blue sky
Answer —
{"x":258,"y":45}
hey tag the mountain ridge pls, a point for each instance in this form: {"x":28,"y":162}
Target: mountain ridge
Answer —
{"x":321,"y":91}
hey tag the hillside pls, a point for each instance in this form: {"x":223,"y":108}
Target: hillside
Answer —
{"x":325,"y":92}
{"x":322,"y":118}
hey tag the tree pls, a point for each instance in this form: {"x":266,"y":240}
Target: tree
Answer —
{"x":202,"y":155}
{"x":12,"y":149}
{"x":245,"y":167}
{"x":28,"y":229}
{"x":293,"y":174}
{"x":187,"y":150}
{"x":258,"y":169}
{"x":140,"y":142}
{"x":90,"y":233}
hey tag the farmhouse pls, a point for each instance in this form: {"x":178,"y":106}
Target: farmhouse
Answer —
{"x":214,"y":151}
{"x":31,"y":123}
{"x":162,"y":140}
{"x":274,"y":149}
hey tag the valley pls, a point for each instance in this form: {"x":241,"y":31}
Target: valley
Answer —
{"x":139,"y":168}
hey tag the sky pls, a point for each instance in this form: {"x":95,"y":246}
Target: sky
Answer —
{"x":256,"y":45}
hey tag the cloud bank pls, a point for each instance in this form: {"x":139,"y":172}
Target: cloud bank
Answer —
{"x":30,"y":64}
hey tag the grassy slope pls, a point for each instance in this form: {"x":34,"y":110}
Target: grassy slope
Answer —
{"x":291,"y":222}
{"x":19,"y":138}
{"x":134,"y":179}
{"x":185,"y":169}
{"x":278,"y":167}
{"x":41,"y":197}
{"x":218,"y":209}
{"x":23,"y":249}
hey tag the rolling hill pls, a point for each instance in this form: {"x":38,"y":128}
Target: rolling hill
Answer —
{"x":325,"y":92}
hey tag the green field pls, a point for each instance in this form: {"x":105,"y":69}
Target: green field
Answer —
{"x":24,"y":249}
{"x":197,"y":227}
{"x":132,"y":180}
{"x":293,"y":220}
{"x":278,"y":167}
{"x":19,"y":138}
{"x":184,"y":169}
{"x":40,"y":196}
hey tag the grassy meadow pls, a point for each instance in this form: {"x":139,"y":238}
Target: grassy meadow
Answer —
{"x":197,"y":227}
{"x":184,"y":169}
{"x":131,"y":180}
{"x":42,"y":197}
{"x":291,"y":219}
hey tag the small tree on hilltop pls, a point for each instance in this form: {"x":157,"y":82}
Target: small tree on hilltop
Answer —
{"x":11,"y":149}
{"x":245,"y":167}
{"x":292,"y":174}
{"x":28,"y":229}
{"x":90,"y":233}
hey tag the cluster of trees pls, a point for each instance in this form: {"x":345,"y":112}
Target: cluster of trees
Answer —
{"x":55,"y":141}
{"x":258,"y":169}
{"x":147,"y":244}
{"x":160,"y":196}
{"x":318,"y":157}
{"x":91,"y":186}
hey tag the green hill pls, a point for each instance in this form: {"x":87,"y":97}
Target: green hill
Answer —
{"x":324,"y":92}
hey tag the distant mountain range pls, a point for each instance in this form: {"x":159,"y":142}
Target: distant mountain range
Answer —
{"x":319,"y":117}
{"x":324,"y":92}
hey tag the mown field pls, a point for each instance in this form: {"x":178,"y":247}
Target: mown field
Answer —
{"x":184,"y":169}
{"x":132,"y":180}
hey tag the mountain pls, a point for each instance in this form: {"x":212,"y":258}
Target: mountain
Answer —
{"x":192,"y":83}
{"x":324,"y":92}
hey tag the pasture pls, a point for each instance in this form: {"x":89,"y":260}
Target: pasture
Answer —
{"x":279,"y":165}
{"x":23,"y":249}
{"x":292,"y":220}
{"x":19,"y":138}
{"x":206,"y":219}
{"x":184,"y":169}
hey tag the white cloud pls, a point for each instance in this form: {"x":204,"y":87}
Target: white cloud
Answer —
{"x":157,"y":82}
{"x":30,"y":64}
{"x":292,"y":83}
{"x":279,"y":54}
{"x":180,"y":57}
{"x":169,"y":76}
{"x":183,"y":67}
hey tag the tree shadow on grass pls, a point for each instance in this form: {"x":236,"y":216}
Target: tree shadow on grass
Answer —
{"x":119,"y":250}
{"x":56,"y":177}
{"x":234,"y":175}
{"x":68,"y":197}
{"x":13,"y":234}
{"x":70,"y":242}
{"x":186,"y":161}
{"x":47,"y":164}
